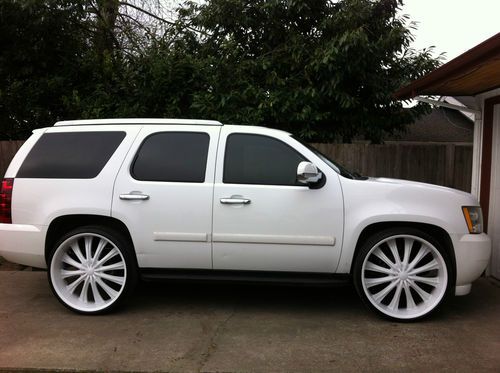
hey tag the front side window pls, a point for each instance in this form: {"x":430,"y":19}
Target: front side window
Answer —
{"x":172,"y":156}
{"x":258,"y":159}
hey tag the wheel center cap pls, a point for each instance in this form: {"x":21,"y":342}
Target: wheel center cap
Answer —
{"x":403,"y":276}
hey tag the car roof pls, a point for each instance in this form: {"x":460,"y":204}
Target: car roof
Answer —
{"x":172,"y":121}
{"x":137,"y":121}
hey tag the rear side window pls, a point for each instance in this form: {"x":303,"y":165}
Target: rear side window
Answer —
{"x":258,"y":159}
{"x":172,"y":156}
{"x":70,"y":155}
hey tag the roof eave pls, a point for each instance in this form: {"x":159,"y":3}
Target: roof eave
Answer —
{"x":481,"y":52}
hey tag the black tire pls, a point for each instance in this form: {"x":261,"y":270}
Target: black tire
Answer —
{"x":368,"y":292}
{"x":125,"y":258}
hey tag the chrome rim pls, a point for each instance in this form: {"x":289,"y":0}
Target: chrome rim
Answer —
{"x":88,"y":272}
{"x":404,"y":276}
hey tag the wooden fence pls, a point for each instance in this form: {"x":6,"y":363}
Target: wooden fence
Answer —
{"x":442,"y":164}
{"x":7,"y":151}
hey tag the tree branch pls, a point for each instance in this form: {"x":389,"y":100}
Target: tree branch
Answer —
{"x":124,"y":3}
{"x":139,"y":24}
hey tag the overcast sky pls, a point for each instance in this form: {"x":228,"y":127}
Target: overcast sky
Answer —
{"x":453,"y":26}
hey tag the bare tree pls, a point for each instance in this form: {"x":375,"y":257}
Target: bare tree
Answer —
{"x":130,"y":26}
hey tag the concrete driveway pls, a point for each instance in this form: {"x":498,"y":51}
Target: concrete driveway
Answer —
{"x":242,"y":328}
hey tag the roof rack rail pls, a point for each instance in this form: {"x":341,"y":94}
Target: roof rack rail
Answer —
{"x":138,"y":121}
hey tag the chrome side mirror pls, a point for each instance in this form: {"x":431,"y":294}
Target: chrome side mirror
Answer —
{"x":307,"y":173}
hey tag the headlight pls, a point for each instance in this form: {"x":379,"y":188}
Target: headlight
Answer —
{"x":473,"y":218}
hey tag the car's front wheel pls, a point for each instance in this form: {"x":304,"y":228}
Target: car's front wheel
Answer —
{"x":92,"y":269}
{"x":402,"y":273}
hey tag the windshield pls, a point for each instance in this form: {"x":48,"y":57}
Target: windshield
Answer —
{"x":334,"y":165}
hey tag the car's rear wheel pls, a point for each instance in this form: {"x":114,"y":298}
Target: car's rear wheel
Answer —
{"x":402,"y":273}
{"x":92,"y":269}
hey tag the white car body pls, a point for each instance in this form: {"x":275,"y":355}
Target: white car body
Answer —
{"x":183,"y":225}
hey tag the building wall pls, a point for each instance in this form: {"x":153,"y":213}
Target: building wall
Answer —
{"x":441,"y":125}
{"x":494,"y":213}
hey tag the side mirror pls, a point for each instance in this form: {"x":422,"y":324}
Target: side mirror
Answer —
{"x":307,"y":173}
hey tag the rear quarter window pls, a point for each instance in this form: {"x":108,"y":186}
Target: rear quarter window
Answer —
{"x":70,"y":155}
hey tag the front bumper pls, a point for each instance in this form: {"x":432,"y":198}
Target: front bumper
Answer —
{"x":23,"y":244}
{"x":472,"y":254}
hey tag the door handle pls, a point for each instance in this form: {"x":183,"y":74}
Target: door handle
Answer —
{"x":235,"y":201}
{"x":134,"y":197}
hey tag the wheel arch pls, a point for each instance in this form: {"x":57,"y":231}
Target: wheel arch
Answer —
{"x":435,"y":231}
{"x":63,"y":224}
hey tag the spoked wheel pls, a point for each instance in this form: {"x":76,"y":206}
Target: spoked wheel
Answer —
{"x":91,"y":270}
{"x":404,"y":276}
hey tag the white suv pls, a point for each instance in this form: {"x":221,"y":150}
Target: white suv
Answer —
{"x":101,"y":203}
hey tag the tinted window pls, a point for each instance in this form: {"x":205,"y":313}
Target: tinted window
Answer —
{"x":255,"y":159}
{"x":172,"y":156}
{"x":70,"y":155}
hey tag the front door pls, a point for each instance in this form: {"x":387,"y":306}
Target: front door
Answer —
{"x":263,"y":219}
{"x":163,"y":193}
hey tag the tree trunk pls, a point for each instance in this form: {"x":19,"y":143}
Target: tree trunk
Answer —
{"x":107,"y":11}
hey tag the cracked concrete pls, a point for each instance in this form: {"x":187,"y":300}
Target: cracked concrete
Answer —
{"x":241,"y":328}
{"x":212,"y":343}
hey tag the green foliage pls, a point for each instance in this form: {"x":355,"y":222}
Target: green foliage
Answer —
{"x":324,"y":70}
{"x":41,"y":46}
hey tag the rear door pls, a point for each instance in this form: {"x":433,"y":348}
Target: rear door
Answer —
{"x":263,"y":219}
{"x":163,"y":193}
